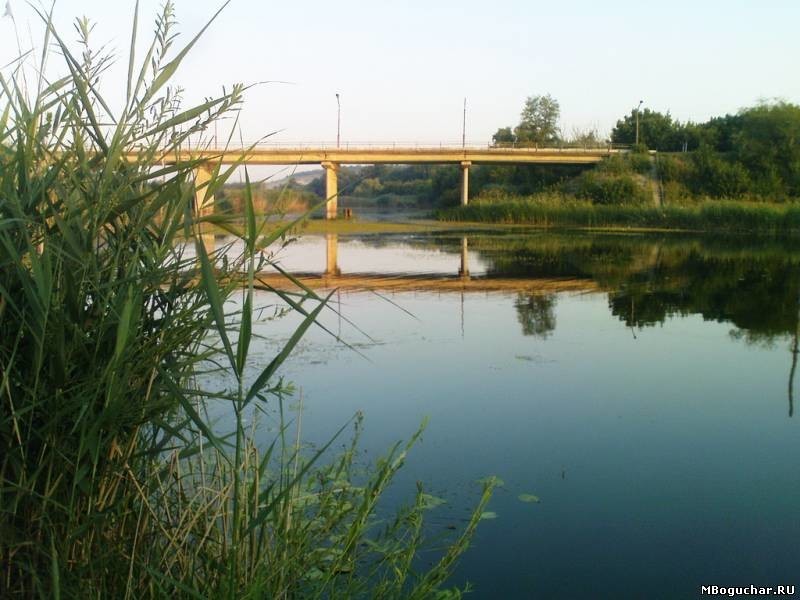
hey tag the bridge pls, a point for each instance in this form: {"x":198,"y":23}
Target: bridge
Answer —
{"x":332,"y":156}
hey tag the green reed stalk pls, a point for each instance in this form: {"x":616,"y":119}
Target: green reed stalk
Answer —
{"x":114,"y":482}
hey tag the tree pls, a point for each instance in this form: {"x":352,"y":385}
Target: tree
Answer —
{"x":504,"y":135}
{"x":657,"y":130}
{"x":718,"y":133}
{"x":768,"y":144}
{"x":539,"y":121}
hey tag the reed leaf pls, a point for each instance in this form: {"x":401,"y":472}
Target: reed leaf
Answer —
{"x":116,"y":352}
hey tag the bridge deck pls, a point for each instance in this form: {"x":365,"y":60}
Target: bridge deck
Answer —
{"x":398,"y":155}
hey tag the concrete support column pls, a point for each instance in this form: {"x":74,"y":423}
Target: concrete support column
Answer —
{"x":465,"y":165}
{"x":331,"y":189}
{"x":204,"y":205}
{"x":332,"y":254}
{"x":463,"y":271}
{"x":203,"y":201}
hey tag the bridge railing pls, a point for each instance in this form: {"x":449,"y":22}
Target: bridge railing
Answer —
{"x":209,"y":144}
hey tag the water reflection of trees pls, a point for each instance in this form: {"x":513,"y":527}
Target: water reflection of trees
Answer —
{"x":758,"y":297}
{"x":536,"y":313}
{"x":649,"y":280}
{"x":753,"y":285}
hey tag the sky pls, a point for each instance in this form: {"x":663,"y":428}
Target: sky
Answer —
{"x":403,"y":69}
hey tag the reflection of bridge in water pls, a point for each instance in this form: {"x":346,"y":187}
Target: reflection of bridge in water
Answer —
{"x":458,"y":280}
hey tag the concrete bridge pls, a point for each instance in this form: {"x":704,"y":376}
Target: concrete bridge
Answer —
{"x":331,"y":157}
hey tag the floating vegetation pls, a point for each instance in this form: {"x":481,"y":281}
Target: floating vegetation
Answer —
{"x":529,"y":498}
{"x":491,"y":480}
{"x":429,"y":501}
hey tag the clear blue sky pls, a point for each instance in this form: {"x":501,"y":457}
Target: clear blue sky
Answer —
{"x":404,"y":68}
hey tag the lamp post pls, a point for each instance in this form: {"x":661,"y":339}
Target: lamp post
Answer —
{"x":637,"y":121}
{"x":464,"y":126}
{"x":338,"y":119}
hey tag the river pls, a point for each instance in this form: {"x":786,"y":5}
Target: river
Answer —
{"x":634,"y":393}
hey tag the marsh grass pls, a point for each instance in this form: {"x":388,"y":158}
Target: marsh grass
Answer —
{"x":113,"y":483}
{"x":726,"y":216}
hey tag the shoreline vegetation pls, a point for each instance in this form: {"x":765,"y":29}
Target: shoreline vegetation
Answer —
{"x":709,"y":216}
{"x":120,"y":333}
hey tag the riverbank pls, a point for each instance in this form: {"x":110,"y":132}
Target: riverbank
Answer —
{"x":398,"y":224}
{"x":711,"y":216}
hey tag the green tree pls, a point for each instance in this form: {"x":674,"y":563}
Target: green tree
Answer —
{"x":504,"y":135}
{"x":539,"y":120}
{"x":768,"y":145}
{"x":657,"y":130}
{"x":718,"y":133}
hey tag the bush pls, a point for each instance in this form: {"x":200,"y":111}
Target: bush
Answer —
{"x":675,"y":169}
{"x":641,"y":163}
{"x":717,"y":178}
{"x":615,"y":164}
{"x":677,"y":192}
{"x":604,"y":189}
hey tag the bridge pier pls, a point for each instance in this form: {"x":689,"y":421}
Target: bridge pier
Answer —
{"x":204,"y":205}
{"x":331,"y":189}
{"x":332,"y":254}
{"x":463,"y":270}
{"x":465,"y":165}
{"x":203,"y":200}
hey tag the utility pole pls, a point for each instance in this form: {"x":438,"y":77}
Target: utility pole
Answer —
{"x":637,"y":121}
{"x":464,"y":126}
{"x":338,"y":120}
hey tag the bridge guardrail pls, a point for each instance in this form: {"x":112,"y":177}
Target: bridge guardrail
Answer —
{"x":208,"y":144}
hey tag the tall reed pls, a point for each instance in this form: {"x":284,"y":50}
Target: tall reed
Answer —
{"x":727,"y":216}
{"x":113,"y":483}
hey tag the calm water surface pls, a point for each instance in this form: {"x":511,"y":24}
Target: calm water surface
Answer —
{"x":641,"y":387}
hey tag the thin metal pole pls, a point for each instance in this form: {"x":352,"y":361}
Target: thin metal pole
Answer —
{"x":338,"y":120}
{"x":637,"y":121}
{"x":464,"y":127}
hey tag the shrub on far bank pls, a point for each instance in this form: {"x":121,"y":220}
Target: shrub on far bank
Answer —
{"x":601,"y":188}
{"x":640,"y":162}
{"x":707,"y":215}
{"x":715,"y":177}
{"x":676,"y":193}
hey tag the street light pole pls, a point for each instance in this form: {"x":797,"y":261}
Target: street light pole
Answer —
{"x":464,"y":127}
{"x":338,"y":119}
{"x":637,"y":121}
